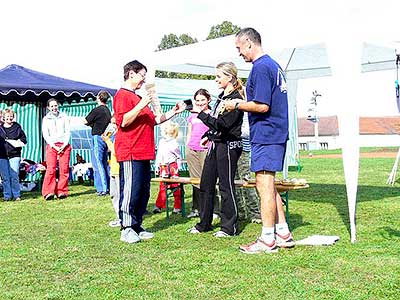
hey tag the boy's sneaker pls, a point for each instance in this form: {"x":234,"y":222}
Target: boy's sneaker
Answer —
{"x":259,"y":246}
{"x":193,"y":214}
{"x":129,"y":236}
{"x":221,"y":234}
{"x":115,"y":223}
{"x":193,"y":230}
{"x":176,"y":211}
{"x":284,"y":241}
{"x":145,"y":235}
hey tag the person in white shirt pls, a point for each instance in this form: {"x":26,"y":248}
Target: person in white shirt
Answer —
{"x":56,"y":133}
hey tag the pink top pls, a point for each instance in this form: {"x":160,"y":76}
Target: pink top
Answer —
{"x":198,"y":129}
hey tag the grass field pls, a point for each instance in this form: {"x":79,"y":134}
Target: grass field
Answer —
{"x":66,"y":250}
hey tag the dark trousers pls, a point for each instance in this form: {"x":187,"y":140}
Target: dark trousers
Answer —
{"x":220,"y":163}
{"x":134,"y":178}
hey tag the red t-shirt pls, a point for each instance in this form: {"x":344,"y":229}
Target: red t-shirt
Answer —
{"x":136,"y":141}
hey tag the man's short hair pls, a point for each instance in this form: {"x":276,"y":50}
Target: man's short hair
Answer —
{"x":134,"y":66}
{"x":251,"y":34}
{"x":103,"y":96}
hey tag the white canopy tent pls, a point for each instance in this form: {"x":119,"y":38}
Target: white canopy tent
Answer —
{"x":343,"y":55}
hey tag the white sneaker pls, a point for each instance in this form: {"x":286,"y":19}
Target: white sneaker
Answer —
{"x":221,"y":234}
{"x":115,"y":223}
{"x":176,"y":211}
{"x":285,"y":241}
{"x":259,"y":246}
{"x":193,"y":214}
{"x":129,"y":235}
{"x":193,"y":230}
{"x":145,"y":235}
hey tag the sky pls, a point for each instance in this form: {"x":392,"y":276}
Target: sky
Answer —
{"x":90,"y":41}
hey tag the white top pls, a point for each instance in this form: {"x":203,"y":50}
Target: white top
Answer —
{"x":168,"y":152}
{"x":56,"y":129}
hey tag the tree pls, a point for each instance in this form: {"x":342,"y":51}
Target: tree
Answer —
{"x":223,"y":29}
{"x":172,"y":40}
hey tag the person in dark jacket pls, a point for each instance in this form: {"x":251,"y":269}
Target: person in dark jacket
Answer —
{"x":98,"y":119}
{"x":224,"y":149}
{"x":12,"y":138}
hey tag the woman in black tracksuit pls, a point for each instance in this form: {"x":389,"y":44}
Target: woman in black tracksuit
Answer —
{"x":224,"y":150}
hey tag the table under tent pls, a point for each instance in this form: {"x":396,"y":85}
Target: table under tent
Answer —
{"x":26,"y":91}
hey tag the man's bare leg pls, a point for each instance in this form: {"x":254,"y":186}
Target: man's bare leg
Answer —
{"x":284,"y":238}
{"x":280,"y":213}
{"x":265,"y":183}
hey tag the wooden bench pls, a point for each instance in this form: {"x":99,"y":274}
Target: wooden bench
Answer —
{"x":283,"y":187}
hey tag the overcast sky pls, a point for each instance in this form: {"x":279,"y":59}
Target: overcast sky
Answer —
{"x":90,"y":41}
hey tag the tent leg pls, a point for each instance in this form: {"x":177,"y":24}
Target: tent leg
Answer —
{"x":392,"y":177}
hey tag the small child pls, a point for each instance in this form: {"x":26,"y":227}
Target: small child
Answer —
{"x":168,"y":161}
{"x":114,"y":172}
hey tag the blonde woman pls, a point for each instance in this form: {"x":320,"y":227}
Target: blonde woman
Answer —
{"x":224,"y":150}
{"x":13,"y":138}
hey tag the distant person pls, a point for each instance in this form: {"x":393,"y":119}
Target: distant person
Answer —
{"x":247,"y":198}
{"x":135,"y":148}
{"x":108,"y":138}
{"x":195,"y":152}
{"x":224,"y":136}
{"x":267,"y":105}
{"x":14,"y":138}
{"x":98,"y":119}
{"x":167,"y":164}
{"x":56,"y":132}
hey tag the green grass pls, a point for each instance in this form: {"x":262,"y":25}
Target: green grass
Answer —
{"x":339,"y":151}
{"x":66,"y":250}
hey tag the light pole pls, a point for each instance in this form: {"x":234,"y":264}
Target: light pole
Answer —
{"x":313,"y":117}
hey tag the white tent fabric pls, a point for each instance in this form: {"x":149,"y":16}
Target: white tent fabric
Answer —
{"x":340,"y":55}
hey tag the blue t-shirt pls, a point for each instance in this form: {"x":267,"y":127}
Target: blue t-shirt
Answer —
{"x":267,"y":84}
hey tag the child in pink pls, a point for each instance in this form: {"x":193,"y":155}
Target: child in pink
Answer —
{"x":168,"y":161}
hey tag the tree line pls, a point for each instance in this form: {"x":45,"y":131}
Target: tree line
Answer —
{"x":172,"y":40}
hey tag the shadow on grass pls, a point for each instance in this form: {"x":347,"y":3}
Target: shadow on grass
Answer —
{"x":173,"y":219}
{"x":392,"y":232}
{"x":164,"y":222}
{"x":88,"y":192}
{"x":336,"y":195}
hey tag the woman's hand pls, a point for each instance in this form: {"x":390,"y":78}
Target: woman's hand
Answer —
{"x":204,"y":142}
{"x":179,"y":107}
{"x":146,"y":100}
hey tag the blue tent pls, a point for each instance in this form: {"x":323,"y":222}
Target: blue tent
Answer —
{"x":27,"y":92}
{"x":21,"y":84}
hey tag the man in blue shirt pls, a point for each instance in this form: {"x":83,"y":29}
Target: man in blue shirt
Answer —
{"x":267,"y":105}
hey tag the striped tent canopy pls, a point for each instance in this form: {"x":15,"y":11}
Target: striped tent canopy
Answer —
{"x":22,"y":84}
{"x":27,"y":91}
